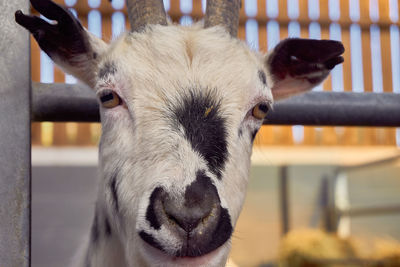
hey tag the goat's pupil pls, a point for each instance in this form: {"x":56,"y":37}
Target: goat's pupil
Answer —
{"x":263,"y":108}
{"x":107,"y":97}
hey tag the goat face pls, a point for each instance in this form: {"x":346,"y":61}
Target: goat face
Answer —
{"x":180,"y":107}
{"x":177,"y":147}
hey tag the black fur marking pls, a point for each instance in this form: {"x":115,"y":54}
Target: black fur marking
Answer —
{"x":263,"y":78}
{"x":95,"y":229}
{"x":114,"y":191}
{"x":107,"y":226}
{"x":109,"y":68}
{"x":150,"y":240}
{"x":204,"y":128}
{"x":223,"y":231}
{"x":151,"y":213}
{"x":95,"y":55}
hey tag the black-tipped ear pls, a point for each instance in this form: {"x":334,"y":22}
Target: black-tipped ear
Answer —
{"x":65,"y":41}
{"x":305,"y":61}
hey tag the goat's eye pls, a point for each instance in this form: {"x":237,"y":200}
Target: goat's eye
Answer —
{"x":110,"y":99}
{"x":260,"y":111}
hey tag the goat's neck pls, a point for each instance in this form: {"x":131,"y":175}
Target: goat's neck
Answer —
{"x":104,"y":247}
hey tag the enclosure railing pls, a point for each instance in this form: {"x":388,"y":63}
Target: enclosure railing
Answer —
{"x":315,"y":108}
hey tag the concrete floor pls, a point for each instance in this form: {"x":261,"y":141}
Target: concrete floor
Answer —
{"x":62,"y":209}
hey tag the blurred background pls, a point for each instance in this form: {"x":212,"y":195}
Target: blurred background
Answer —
{"x":293,"y":166}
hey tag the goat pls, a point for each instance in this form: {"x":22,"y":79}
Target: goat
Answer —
{"x":180,"y":107}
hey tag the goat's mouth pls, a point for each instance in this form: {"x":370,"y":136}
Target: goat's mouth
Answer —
{"x":193,"y":245}
{"x":213,"y":258}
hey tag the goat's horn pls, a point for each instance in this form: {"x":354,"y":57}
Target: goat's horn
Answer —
{"x":143,"y":12}
{"x":223,"y":12}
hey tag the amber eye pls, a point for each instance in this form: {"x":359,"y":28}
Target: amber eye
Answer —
{"x":260,"y":111}
{"x":110,"y":99}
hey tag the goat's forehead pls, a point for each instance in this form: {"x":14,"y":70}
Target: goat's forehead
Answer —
{"x":182,"y":56}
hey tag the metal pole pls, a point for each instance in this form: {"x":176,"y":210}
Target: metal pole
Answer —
{"x":15,"y":170}
{"x":284,"y":199}
{"x":341,"y":109}
{"x":65,"y":102}
{"x":331,"y":216}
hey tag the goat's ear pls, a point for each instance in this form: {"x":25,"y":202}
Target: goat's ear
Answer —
{"x":297,"y":65}
{"x":65,"y":41}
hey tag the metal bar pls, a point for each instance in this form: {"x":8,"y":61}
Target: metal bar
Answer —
{"x":355,"y":212}
{"x":333,"y":108}
{"x":15,"y":147}
{"x":66,"y":102}
{"x":284,"y":199}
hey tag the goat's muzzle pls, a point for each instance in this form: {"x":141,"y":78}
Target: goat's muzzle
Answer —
{"x":196,"y":218}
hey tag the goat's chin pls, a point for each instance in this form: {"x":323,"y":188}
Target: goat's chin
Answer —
{"x":154,"y":257}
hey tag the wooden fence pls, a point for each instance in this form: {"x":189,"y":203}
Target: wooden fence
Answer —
{"x":369,"y":30}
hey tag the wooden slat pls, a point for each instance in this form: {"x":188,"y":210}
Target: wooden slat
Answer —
{"x":384,"y":12}
{"x":261,"y":8}
{"x":242,"y":32}
{"x":197,"y":9}
{"x":283,"y":14}
{"x":386,"y":61}
{"x":324,"y":9}
{"x":344,"y":12}
{"x":364,"y":12}
{"x":175,"y":9}
{"x":390,"y":133}
{"x":366,"y":59}
{"x":303,"y":10}
{"x":262,"y":37}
